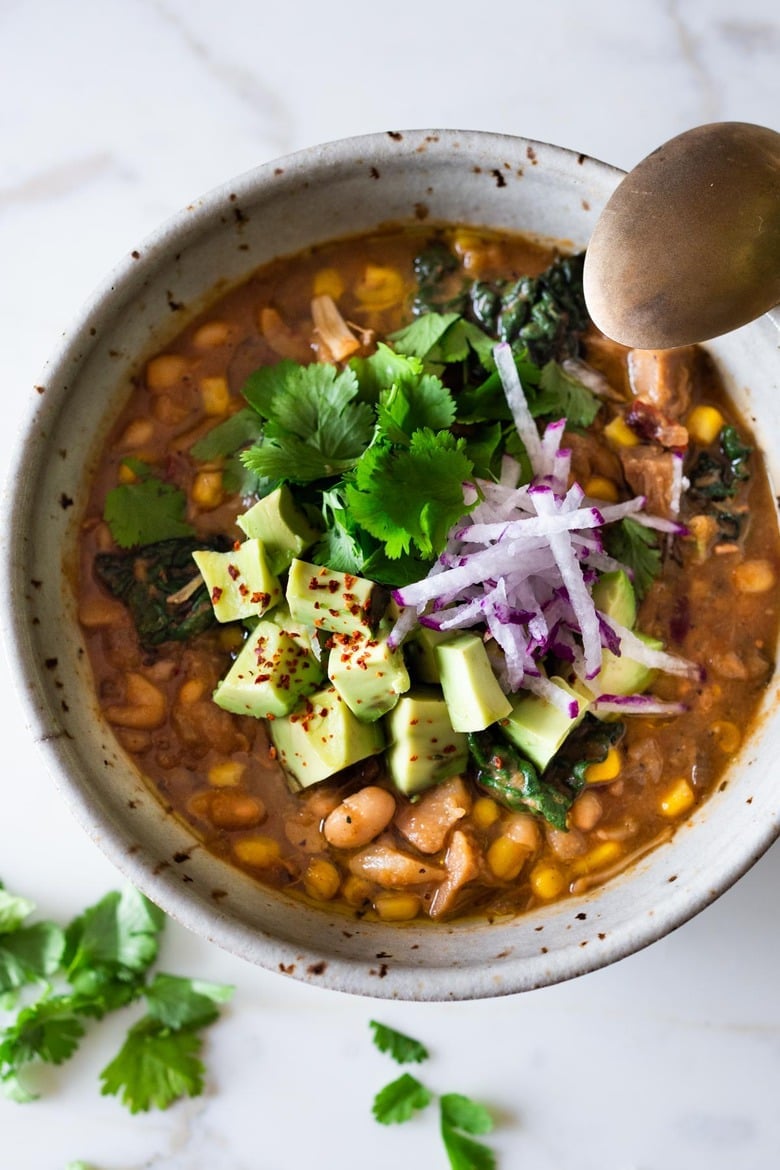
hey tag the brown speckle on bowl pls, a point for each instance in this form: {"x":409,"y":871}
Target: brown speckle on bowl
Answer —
{"x":181,"y":857}
{"x":174,"y":305}
{"x":497,"y":175}
{"x":395,"y":135}
{"x":66,"y":501}
{"x":39,"y":389}
{"x":530,"y":154}
{"x":287,"y":968}
{"x":374,"y":173}
{"x":379,"y":972}
{"x":421,"y":211}
{"x":317,"y":968}
{"x":136,"y":254}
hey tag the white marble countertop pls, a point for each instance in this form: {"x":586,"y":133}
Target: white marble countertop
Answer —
{"x":113,"y":114}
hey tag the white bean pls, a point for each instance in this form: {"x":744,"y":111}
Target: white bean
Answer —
{"x":359,"y":818}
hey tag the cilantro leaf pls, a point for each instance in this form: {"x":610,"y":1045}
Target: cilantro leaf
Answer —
{"x":402,"y":1048}
{"x":227,"y":437}
{"x":13,"y":911}
{"x":382,"y":369}
{"x":179,"y":1002}
{"x":432,"y":471}
{"x":413,"y":406}
{"x":47,"y":1030}
{"x":315,"y":429}
{"x":424,"y":334}
{"x":563,"y":396}
{"x":460,"y":1116}
{"x":444,"y":338}
{"x":397,"y":1101}
{"x":155,"y":1066}
{"x":28,"y":954}
{"x":116,"y":939}
{"x":145,"y":511}
{"x":637,"y":547}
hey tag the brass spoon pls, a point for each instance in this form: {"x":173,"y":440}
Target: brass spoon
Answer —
{"x":688,"y":246}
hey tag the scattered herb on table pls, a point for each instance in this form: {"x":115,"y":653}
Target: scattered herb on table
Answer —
{"x":461,"y":1120}
{"x":97,"y":964}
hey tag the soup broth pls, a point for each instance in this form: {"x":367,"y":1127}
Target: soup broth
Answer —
{"x":510,"y":822}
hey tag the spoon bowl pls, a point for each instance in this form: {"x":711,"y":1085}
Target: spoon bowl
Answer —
{"x":688,"y":246}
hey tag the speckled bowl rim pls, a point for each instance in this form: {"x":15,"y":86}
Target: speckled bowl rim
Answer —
{"x":317,"y":963}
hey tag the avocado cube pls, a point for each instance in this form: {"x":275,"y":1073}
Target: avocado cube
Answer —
{"x":240,"y":582}
{"x":622,"y":675}
{"x":368,"y":675}
{"x":281,"y":525}
{"x":538,"y":727}
{"x":322,"y":737}
{"x":421,"y":653}
{"x":339,"y":602}
{"x":615,"y":596}
{"x":423,"y":747}
{"x":271,"y":674}
{"x":472,"y":692}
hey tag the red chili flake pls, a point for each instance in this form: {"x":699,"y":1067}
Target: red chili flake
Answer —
{"x":216,"y":593}
{"x":284,"y":682}
{"x":260,"y":598}
{"x":236,"y":545}
{"x":413,"y":722}
{"x":234,"y":571}
{"x":272,"y":753}
{"x":261,"y":678}
{"x":449,"y":749}
{"x":349,"y":580}
{"x":243,"y":589}
{"x":324,"y":712}
{"x":413,"y":759}
{"x":333,"y":586}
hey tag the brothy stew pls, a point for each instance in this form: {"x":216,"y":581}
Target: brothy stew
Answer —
{"x":413,"y":594}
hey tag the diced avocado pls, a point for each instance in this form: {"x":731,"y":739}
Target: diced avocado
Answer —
{"x":271,"y":674}
{"x":471,"y":691}
{"x":538,"y":727}
{"x":321,"y":737}
{"x":368,"y":675}
{"x":420,"y":651}
{"x":615,"y":596}
{"x":339,"y":602}
{"x":621,"y":675}
{"x":281,"y":525}
{"x":423,"y":748}
{"x":239,"y":582}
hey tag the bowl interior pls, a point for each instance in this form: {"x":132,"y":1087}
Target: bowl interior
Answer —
{"x":320,"y":194}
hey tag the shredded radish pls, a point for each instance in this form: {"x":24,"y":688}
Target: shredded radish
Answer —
{"x":522,"y":564}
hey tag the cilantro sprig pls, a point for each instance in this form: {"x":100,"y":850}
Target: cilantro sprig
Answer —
{"x":145,"y":510}
{"x":100,"y":962}
{"x":461,"y":1119}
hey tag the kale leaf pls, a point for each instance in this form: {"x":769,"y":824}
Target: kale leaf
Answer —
{"x":161,"y":587}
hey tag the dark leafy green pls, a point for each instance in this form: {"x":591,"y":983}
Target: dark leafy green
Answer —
{"x":718,"y":471}
{"x":160,"y":585}
{"x":638,"y":548}
{"x":514,"y":781}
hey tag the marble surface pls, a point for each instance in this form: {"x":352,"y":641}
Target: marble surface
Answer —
{"x":115,"y":113}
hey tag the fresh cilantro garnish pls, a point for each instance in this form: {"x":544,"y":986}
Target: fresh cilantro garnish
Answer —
{"x":237,"y":431}
{"x":102,"y":961}
{"x":145,"y":511}
{"x":424,"y":334}
{"x":560,"y":395}
{"x":403,"y":1049}
{"x":432,"y":471}
{"x":637,"y":547}
{"x":411,"y":406}
{"x":314,"y":426}
{"x":399,"y":1100}
{"x":460,"y":1117}
{"x":440,"y":339}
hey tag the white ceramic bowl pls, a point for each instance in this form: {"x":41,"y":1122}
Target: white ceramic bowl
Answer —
{"x":318,"y":194}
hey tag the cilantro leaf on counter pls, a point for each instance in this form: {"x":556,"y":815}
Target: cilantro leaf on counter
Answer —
{"x":146,"y":510}
{"x":459,"y":1118}
{"x":399,"y":1100}
{"x":314,"y":426}
{"x":433,"y":470}
{"x":403,"y":1049}
{"x":102,"y":961}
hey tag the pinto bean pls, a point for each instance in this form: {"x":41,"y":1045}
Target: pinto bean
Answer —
{"x":359,"y":818}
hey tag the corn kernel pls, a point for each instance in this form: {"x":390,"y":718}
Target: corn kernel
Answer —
{"x":380,"y":287}
{"x":677,"y":799}
{"x":259,"y":852}
{"x":226,"y":775}
{"x":164,"y":371}
{"x":608,"y":769}
{"x":727,"y":736}
{"x":211,"y":334}
{"x":215,"y":395}
{"x":321,"y":879}
{"x":125,"y":474}
{"x":547,"y":881}
{"x":207,"y":489}
{"x":506,"y":858}
{"x":484,"y":812}
{"x":619,"y":433}
{"x":327,"y":283}
{"x":601,"y":488}
{"x":754,"y":576}
{"x":231,"y":637}
{"x":397,"y":907}
{"x":602,"y":855}
{"x":191,"y":690}
{"x":357,"y":891}
{"x":704,"y":424}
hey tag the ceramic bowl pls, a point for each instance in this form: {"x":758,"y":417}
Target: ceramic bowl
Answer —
{"x":318,"y":194}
